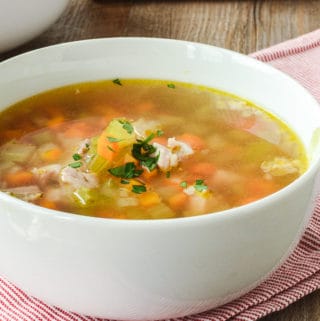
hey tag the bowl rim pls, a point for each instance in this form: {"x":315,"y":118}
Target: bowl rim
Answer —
{"x":239,"y":211}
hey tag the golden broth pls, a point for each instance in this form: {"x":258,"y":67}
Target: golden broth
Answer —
{"x":191,"y":150}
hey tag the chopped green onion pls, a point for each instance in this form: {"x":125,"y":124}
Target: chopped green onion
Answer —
{"x":110,"y":148}
{"x":128,"y":170}
{"x":75,"y":164}
{"x":184,"y":184}
{"x":200,"y":186}
{"x":114,"y":140}
{"x":138,"y":189}
{"x":172,"y":86}
{"x":117,"y":82}
{"x":126,"y":126}
{"x":76,"y":157}
{"x":160,"y":132}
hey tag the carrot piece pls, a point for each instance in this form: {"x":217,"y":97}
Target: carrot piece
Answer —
{"x":178,"y":201}
{"x":55,"y":121}
{"x":19,"y":178}
{"x":144,"y":107}
{"x":48,"y":204}
{"x":147,"y":175}
{"x":51,"y":155}
{"x":203,"y":169}
{"x":194,"y":141}
{"x":106,"y":149}
{"x":149,"y":198}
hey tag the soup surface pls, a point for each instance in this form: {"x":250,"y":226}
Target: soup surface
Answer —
{"x":144,"y":149}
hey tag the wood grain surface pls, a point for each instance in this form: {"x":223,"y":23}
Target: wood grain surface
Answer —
{"x":244,"y":26}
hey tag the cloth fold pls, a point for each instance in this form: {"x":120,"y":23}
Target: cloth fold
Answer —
{"x":298,"y":276}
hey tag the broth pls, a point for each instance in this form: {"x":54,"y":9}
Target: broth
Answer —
{"x":144,"y":149}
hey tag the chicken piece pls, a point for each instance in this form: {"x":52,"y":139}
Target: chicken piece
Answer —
{"x":181,"y":149}
{"x":83,"y":147}
{"x":143,"y":128}
{"x":281,"y":166}
{"x":78,"y":179}
{"x":170,"y":156}
{"x":47,"y":173}
{"x":28,"y":193}
{"x":167,"y":159}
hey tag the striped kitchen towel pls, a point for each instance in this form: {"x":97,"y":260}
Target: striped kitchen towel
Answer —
{"x":297,"y":277}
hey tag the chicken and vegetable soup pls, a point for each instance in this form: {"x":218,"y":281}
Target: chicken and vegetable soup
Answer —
{"x":144,"y":149}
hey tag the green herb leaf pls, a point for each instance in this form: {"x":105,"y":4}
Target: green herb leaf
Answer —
{"x":150,"y":163}
{"x":160,"y":132}
{"x":76,"y":157}
{"x":75,"y":164}
{"x":127,"y":126}
{"x":124,"y":181}
{"x":113,"y":139}
{"x":138,"y":189}
{"x":168,"y":174}
{"x":184,"y":184}
{"x":200,"y":186}
{"x":128,"y":170}
{"x":117,"y":82}
{"x":172,"y":86}
{"x":110,"y":148}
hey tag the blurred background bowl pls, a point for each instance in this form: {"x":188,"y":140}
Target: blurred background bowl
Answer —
{"x":22,"y":20}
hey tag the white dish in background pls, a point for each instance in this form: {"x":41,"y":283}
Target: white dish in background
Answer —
{"x":22,"y":20}
{"x":142,"y":270}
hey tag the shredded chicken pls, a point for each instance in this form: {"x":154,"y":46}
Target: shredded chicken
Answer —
{"x":78,"y":179}
{"x":143,"y":128}
{"x":280,"y":166}
{"x":28,"y":193}
{"x":47,"y":173}
{"x":171,"y":155}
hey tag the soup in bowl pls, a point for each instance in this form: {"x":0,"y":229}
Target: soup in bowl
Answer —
{"x":150,"y":178}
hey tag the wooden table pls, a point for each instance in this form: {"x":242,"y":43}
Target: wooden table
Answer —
{"x":244,"y":26}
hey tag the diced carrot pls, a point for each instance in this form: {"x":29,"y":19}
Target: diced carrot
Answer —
{"x":19,"y":178}
{"x":48,"y":204}
{"x":149,"y":198}
{"x":51,"y":155}
{"x":144,"y":106}
{"x":160,"y":140}
{"x":106,"y":149}
{"x":203,"y":169}
{"x":79,"y":129}
{"x":258,"y":187}
{"x":194,"y":141}
{"x":147,"y":175}
{"x":55,"y":121}
{"x":178,"y":201}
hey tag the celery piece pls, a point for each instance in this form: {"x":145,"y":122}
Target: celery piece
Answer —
{"x":85,"y":197}
{"x":16,"y":152}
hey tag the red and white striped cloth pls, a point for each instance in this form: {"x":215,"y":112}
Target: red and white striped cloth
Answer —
{"x":297,"y":277}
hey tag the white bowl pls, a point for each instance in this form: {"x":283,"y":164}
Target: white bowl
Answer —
{"x":22,"y":20}
{"x":139,"y":270}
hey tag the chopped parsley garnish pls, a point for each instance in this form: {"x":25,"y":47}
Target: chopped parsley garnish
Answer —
{"x":138,"y":189}
{"x":168,"y":174}
{"x":117,"y":82}
{"x":114,"y":140}
{"x":110,"y":148}
{"x":75,"y":164}
{"x":172,"y":86}
{"x":200,"y":186}
{"x":184,"y":184}
{"x":126,"y":171}
{"x":76,"y":157}
{"x":142,"y":151}
{"x":160,"y":132}
{"x":126,"y":126}
{"x":124,"y":181}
